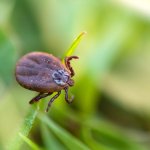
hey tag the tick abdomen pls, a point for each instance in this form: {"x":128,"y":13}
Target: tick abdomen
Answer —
{"x":34,"y":71}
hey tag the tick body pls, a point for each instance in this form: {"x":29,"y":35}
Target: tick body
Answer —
{"x":45,"y":73}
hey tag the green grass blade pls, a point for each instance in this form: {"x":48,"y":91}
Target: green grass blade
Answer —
{"x":24,"y":130}
{"x":50,"y":141}
{"x":109,"y":136}
{"x":32,"y":145}
{"x":75,"y":44}
{"x":69,"y":141}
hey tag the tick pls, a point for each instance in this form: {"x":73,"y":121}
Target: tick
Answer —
{"x":46,"y":74}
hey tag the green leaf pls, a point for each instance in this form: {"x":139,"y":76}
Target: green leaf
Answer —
{"x":25,"y":129}
{"x":71,"y":142}
{"x":29,"y":142}
{"x":75,"y":44}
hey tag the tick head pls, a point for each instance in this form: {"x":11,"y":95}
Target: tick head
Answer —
{"x":62,"y":77}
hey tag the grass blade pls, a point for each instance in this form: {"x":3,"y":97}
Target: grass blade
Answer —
{"x":75,"y":44}
{"x":69,"y":141}
{"x":24,"y":130}
{"x":50,"y":141}
{"x":32,"y":145}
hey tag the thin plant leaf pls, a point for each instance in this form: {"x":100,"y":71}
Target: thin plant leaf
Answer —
{"x":69,"y":141}
{"x":32,"y":145}
{"x":50,"y":141}
{"x":24,"y":130}
{"x":109,"y":134}
{"x":75,"y":44}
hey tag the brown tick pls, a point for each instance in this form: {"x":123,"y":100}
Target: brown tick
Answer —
{"x":44,"y":73}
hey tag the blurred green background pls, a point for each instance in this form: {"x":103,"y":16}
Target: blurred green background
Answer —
{"x":111,"y":109}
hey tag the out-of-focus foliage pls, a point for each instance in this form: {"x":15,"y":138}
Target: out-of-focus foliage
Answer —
{"x":111,"y":109}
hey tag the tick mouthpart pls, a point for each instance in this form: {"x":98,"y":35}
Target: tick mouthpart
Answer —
{"x":70,"y":82}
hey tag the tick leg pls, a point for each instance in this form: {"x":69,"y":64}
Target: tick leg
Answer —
{"x":51,"y":100}
{"x":38,"y":97}
{"x":66,"y":96}
{"x":67,"y":63}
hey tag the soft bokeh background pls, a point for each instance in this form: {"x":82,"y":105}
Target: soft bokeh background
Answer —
{"x":111,"y":109}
